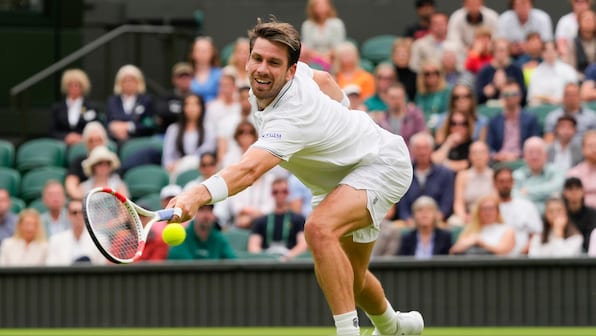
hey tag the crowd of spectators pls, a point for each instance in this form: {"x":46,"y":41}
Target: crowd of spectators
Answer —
{"x":495,"y":108}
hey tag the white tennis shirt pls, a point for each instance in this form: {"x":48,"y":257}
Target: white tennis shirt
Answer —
{"x":318,"y":139}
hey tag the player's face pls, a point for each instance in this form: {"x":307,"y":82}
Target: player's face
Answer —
{"x":268,"y":70}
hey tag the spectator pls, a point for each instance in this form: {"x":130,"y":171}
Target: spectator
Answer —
{"x":384,"y":78}
{"x":518,"y":213}
{"x":462,"y":101}
{"x":188,"y":138}
{"x":73,"y":245}
{"x":55,"y":219}
{"x":581,"y":215}
{"x":352,"y":91}
{"x":70,"y":116}
{"x":471,"y":184}
{"x":205,"y":61}
{"x":28,"y":246}
{"x":566,"y":29}
{"x":507,"y":131}
{"x":449,"y":64}
{"x":426,"y":240}
{"x":400,"y":117}
{"x":100,"y":168}
{"x":492,"y":78}
{"x":536,"y":180}
{"x":581,"y":53}
{"x":559,"y":238}
{"x":155,"y":248}
{"x":465,"y":22}
{"x":94,"y":135}
{"x":532,"y":56}
{"x":433,"y":94}
{"x":520,"y":20}
{"x":429,"y":47}
{"x":245,"y":107}
{"x":207,"y":168}
{"x":202,"y":241}
{"x":8,"y":220}
{"x":585,"y":118}
{"x":424,"y":11}
{"x":548,"y":80}
{"x":237,"y":62}
{"x":486,"y":233}
{"x":347,"y":70}
{"x":130,"y":109}
{"x":300,"y":197}
{"x":224,"y":113}
{"x":586,"y":170}
{"x":564,"y":153}
{"x":321,"y":32}
{"x":480,"y":52}
{"x":280,"y":232}
{"x":168,"y":107}
{"x":454,"y":151}
{"x":400,"y":56}
{"x":592,"y":249}
{"x":429,"y":179}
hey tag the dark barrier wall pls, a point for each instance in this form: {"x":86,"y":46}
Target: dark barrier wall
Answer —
{"x":453,"y":292}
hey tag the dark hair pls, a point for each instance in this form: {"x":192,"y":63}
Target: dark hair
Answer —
{"x":278,"y":32}
{"x":570,"y":228}
{"x":182,"y":120}
{"x":567,"y":117}
{"x":214,"y":58}
{"x":501,"y":169}
{"x":242,"y":124}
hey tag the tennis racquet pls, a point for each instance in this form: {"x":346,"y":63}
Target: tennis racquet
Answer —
{"x":118,"y":226}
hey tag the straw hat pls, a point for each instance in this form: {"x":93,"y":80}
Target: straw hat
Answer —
{"x":98,"y":154}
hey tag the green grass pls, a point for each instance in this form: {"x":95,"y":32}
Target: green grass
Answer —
{"x":291,"y":332}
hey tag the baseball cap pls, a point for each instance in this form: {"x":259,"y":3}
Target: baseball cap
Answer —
{"x":573,"y":182}
{"x":182,"y":68}
{"x":170,"y":190}
{"x":352,"y":89}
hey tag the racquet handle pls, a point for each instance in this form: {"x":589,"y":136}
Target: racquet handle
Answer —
{"x":167,"y":214}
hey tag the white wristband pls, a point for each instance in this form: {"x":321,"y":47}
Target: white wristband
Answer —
{"x":345,"y":101}
{"x":217,"y":188}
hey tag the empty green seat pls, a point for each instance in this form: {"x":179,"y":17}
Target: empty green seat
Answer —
{"x":542,"y":111}
{"x":16,"y":205}
{"x":238,"y":238}
{"x":80,"y":149}
{"x":6,"y":154}
{"x":38,"y":205}
{"x":134,"y":145}
{"x":183,"y":178}
{"x":378,"y":48}
{"x":41,"y":152}
{"x":150,"y":202}
{"x":33,"y":182}
{"x":10,"y":179}
{"x":146,"y":179}
{"x":488,"y":111}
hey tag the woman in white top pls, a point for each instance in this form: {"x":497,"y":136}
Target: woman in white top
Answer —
{"x":548,"y":80}
{"x":559,"y":238}
{"x":28,"y":246}
{"x":101,"y":166}
{"x":486,"y":233}
{"x":321,"y":32}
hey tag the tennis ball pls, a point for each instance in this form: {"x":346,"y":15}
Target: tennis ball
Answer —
{"x":173,"y":234}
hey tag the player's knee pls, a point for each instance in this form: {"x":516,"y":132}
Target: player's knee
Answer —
{"x":317,"y":234}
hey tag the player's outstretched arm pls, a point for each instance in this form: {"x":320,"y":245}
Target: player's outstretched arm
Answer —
{"x":328,"y":85}
{"x":229,"y":181}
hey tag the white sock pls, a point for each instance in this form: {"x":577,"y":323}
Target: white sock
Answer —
{"x":385,"y":323}
{"x":347,"y":324}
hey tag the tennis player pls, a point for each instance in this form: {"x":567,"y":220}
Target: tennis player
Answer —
{"x":355,"y":170}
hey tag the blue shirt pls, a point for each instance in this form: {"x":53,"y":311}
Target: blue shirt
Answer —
{"x":7,"y":226}
{"x":439,"y":185}
{"x":208,"y":90}
{"x":425,"y":251}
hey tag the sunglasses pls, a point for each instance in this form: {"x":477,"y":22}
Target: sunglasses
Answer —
{"x":282,"y":192}
{"x":458,"y":123}
{"x":508,"y":94}
{"x":207,"y":164}
{"x":431,"y":73}
{"x":464,"y":96}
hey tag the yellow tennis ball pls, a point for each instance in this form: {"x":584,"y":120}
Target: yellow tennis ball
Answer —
{"x":173,"y":234}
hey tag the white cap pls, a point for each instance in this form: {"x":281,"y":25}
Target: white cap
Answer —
{"x":351,"y":89}
{"x":170,"y":190}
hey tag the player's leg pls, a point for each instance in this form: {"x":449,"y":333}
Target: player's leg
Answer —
{"x":342,"y":211}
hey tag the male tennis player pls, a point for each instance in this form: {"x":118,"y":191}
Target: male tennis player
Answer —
{"x":355,"y":170}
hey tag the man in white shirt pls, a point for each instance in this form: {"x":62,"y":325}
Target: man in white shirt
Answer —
{"x":355,"y":169}
{"x":566,"y":29}
{"x":464,"y":22}
{"x":75,"y":244}
{"x":516,"y":23}
{"x":518,"y":213}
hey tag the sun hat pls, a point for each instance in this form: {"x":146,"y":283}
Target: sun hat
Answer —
{"x":98,"y":154}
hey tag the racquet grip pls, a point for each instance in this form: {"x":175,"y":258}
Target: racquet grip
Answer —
{"x":167,"y":214}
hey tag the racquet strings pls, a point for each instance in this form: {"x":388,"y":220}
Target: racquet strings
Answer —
{"x":113,"y":226}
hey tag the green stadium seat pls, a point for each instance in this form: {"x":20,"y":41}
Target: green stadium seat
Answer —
{"x":367,"y":65}
{"x":16,"y":205}
{"x":6,"y":154}
{"x":255,"y":256}
{"x":80,"y":149}
{"x":513,"y":164}
{"x":146,"y":179}
{"x":186,"y":176}
{"x":33,"y":182}
{"x":150,"y":202}
{"x":377,"y":48}
{"x":10,"y":179}
{"x":226,"y":53}
{"x":238,"y":238}
{"x":455,"y":232}
{"x":38,"y":205}
{"x":39,"y":153}
{"x":488,"y":111}
{"x":136,"y":144}
{"x":542,"y":111}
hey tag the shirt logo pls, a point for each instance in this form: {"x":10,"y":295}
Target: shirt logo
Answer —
{"x":272,"y":135}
